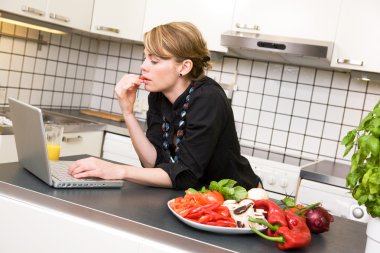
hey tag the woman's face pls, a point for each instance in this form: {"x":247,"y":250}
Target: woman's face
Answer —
{"x":160,"y":74}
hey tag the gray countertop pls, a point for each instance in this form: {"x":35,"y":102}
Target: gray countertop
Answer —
{"x":144,"y":210}
{"x":327,"y":172}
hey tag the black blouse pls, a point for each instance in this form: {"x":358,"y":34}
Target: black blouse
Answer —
{"x":209,"y":149}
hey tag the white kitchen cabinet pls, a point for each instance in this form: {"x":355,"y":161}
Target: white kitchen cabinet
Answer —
{"x":307,"y":19}
{"x":30,"y":8}
{"x":356,"y":44}
{"x":212,"y":17}
{"x":82,"y":143}
{"x":123,"y":19}
{"x":120,"y":149}
{"x":73,"y":144}
{"x":70,"y":13}
{"x":8,"y":152}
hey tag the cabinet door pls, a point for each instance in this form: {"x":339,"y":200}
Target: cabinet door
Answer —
{"x":212,"y":17}
{"x":30,"y":8}
{"x":82,"y":143}
{"x":119,"y":148}
{"x":307,"y":19}
{"x":8,"y":152}
{"x":72,"y":13}
{"x":123,"y":19}
{"x":356,"y":44}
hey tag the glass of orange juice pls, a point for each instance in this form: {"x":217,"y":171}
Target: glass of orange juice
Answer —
{"x":54,"y":134}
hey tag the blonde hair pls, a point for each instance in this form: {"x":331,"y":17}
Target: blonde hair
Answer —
{"x":181,"y":40}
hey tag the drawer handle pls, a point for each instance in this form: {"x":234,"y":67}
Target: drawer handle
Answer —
{"x":350,"y":62}
{"x":32,"y":10}
{"x":72,"y":139}
{"x":246,"y":26}
{"x":59,"y":17}
{"x":107,"y":29}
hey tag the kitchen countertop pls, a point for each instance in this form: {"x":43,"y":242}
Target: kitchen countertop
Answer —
{"x":143,"y":210}
{"x":327,"y":172}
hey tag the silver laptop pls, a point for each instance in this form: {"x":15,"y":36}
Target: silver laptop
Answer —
{"x":31,"y":148}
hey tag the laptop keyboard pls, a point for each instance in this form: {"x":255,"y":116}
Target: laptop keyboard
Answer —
{"x":59,"y":171}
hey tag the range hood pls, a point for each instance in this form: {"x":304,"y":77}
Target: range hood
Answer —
{"x":277,"y":48}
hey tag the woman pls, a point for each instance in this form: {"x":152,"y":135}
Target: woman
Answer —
{"x":191,"y":137}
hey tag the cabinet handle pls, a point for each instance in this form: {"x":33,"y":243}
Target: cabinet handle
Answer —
{"x":59,"y":17}
{"x":32,"y":10}
{"x":107,"y":29}
{"x":350,"y":62}
{"x":72,"y":139}
{"x":247,"y":26}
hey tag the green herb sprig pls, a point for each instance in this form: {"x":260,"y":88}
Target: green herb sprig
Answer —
{"x":226,"y":188}
{"x":364,"y":177}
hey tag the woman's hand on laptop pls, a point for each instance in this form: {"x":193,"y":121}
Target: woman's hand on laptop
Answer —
{"x":94,"y":167}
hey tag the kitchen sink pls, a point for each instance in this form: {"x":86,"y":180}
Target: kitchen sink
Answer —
{"x":70,"y":123}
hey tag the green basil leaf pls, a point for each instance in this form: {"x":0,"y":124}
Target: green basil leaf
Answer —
{"x":240,"y":193}
{"x":373,"y":145}
{"x":349,"y":137}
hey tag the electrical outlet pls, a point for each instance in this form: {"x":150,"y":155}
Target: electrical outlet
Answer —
{"x":2,"y":95}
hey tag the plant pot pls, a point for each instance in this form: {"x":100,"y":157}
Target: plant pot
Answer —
{"x":373,"y":235}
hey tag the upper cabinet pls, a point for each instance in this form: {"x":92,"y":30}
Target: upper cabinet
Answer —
{"x":212,"y":17}
{"x":123,"y":19}
{"x":70,"y":13}
{"x":308,"y":19}
{"x":356,"y":41}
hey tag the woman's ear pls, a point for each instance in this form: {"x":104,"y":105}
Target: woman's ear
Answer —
{"x":186,"y":67}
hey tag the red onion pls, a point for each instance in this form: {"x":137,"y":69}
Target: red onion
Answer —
{"x":318,"y":220}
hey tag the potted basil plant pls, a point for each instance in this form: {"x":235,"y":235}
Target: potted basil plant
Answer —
{"x":364,"y":178}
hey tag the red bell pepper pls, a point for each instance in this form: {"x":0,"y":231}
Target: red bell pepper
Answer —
{"x":295,"y":235}
{"x":274,"y":215}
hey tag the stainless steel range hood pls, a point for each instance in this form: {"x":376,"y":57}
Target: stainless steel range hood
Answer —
{"x":287,"y":48}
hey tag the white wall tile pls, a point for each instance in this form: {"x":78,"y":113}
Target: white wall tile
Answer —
{"x":51,"y":67}
{"x":334,"y":114}
{"x":4,"y":77}
{"x":57,"y":99}
{"x":101,"y":61}
{"x":114,"y":48}
{"x":106,"y":104}
{"x":137,"y":51}
{"x":304,"y":92}
{"x":275,"y":71}
{"x":61,"y":69}
{"x":6,"y":44}
{"x":259,"y":69}
{"x":16,"y":62}
{"x":227,"y":78}
{"x":135,"y":67}
{"x":331,"y":131}
{"x":314,"y":128}
{"x":311,"y":144}
{"x":323,"y":78}
{"x":67,"y":99}
{"x":244,"y":66}
{"x":279,"y":138}
{"x":110,"y":77}
{"x":49,"y":82}
{"x":248,"y":132}
{"x":18,"y":47}
{"x":239,"y":98}
{"x":229,"y":65}
{"x":306,"y":75}
{"x":357,"y":85}
{"x":285,"y":106}
{"x":352,"y":117}
{"x":78,"y":86}
{"x":370,"y":101}
{"x":69,"y":85}
{"x":35,"y":97}
{"x":112,"y":62}
{"x":103,"y":47}
{"x":97,"y":88}
{"x":282,"y":122}
{"x":287,"y":90}
{"x":238,"y":113}
{"x":63,"y":54}
{"x":298,"y":125}
{"x":40,"y":66}
{"x":295,"y":141}
{"x":266,"y":119}
{"x":301,"y":108}
{"x":14,"y":79}
{"x":66,"y":40}
{"x":256,"y":85}
{"x":269,"y":103}
{"x":338,"y":97}
{"x":82,"y":58}
{"x":242,"y":82}
{"x":254,"y":100}
{"x":328,"y":148}
{"x":47,"y":98}
{"x":251,"y":116}
{"x":263,"y":135}
{"x":124,"y":64}
{"x":24,"y":95}
{"x":320,"y":95}
{"x":31,"y":49}
{"x":272,"y":87}
{"x":340,"y":80}
{"x":71,"y":71}
{"x":290,"y":73}
{"x":108,"y":90}
{"x":355,"y":100}
{"x":374,"y":88}
{"x":317,"y":111}
{"x":99,"y":75}
{"x":26,"y":80}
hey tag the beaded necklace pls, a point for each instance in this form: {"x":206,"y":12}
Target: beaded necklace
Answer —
{"x":180,"y":131}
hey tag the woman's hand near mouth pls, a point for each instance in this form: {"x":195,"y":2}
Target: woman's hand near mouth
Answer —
{"x":126,"y":90}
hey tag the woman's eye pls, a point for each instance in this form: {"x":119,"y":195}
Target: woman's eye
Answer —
{"x":153,"y":62}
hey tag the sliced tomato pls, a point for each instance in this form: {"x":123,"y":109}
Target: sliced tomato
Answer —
{"x":214,"y":197}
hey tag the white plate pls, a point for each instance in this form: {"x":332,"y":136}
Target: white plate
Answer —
{"x":209,"y":228}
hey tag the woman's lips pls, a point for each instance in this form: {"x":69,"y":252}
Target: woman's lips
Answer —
{"x":143,"y":78}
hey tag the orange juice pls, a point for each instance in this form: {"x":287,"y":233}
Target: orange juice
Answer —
{"x":53,"y":151}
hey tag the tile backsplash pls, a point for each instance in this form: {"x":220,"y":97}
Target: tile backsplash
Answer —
{"x":287,"y":113}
